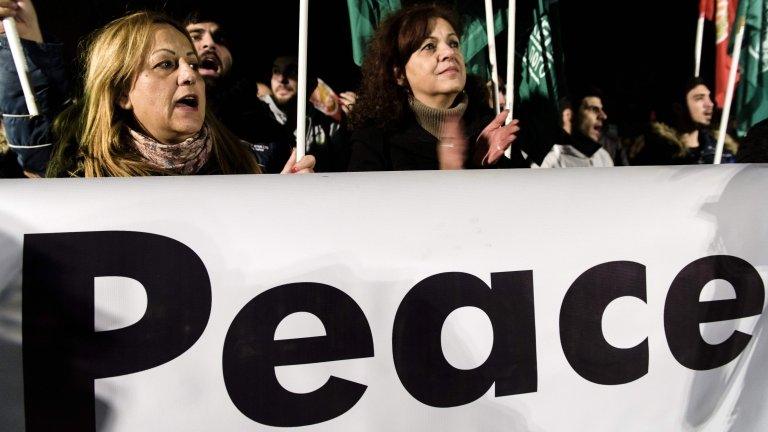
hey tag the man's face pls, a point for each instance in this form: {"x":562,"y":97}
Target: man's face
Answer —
{"x":700,"y":105}
{"x":284,"y":84}
{"x":591,"y":117}
{"x":215,"y":57}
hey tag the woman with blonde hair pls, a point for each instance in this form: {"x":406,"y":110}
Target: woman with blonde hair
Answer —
{"x":143,"y":107}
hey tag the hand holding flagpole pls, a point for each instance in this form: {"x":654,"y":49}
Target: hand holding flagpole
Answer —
{"x":21,"y":64}
{"x":17,"y":52}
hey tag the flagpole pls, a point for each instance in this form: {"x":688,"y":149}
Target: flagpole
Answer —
{"x":699,"y":43}
{"x":17,"y":52}
{"x":489,"y":27}
{"x":510,"y":95}
{"x":729,"y":91}
{"x":301,"y":103}
{"x":511,"y":90}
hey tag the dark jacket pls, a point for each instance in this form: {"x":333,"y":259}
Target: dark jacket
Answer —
{"x":326,"y":139}
{"x":30,"y":138}
{"x":754,"y":148}
{"x":663,"y":146}
{"x":235,"y":104}
{"x":408,"y":146}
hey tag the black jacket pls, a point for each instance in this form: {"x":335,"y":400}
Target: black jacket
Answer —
{"x":235,"y":104}
{"x":408,"y":146}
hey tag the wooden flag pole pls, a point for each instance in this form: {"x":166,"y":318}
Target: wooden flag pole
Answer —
{"x":489,"y":27}
{"x":301,"y":102}
{"x":729,"y":91}
{"x":17,"y":52}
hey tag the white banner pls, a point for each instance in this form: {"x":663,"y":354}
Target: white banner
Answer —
{"x":555,"y":300}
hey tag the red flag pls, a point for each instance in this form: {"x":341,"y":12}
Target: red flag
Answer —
{"x":725,"y":14}
{"x":707,"y":9}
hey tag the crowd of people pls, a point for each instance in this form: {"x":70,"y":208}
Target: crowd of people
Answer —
{"x":159,"y":97}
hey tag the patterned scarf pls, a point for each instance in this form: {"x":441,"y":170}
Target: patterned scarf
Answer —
{"x":186,"y":157}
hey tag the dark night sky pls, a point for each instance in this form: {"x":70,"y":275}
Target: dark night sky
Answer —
{"x":637,"y":52}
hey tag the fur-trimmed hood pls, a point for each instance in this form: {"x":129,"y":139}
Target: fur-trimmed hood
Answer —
{"x":672,"y":136}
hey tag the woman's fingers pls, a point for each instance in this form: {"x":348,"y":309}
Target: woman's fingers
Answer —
{"x":304,"y":166}
{"x":26,"y":18}
{"x":452,"y":145}
{"x":8,"y":9}
{"x":497,"y":138}
{"x":290,"y":164}
{"x":347,"y":100}
{"x":349,"y":97}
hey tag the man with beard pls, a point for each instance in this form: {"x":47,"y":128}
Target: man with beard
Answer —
{"x":690,"y":141}
{"x":212,"y":47}
{"x":326,"y":137}
{"x":582,"y":148}
{"x":232,"y":99}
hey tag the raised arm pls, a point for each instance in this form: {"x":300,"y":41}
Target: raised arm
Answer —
{"x":30,"y":138}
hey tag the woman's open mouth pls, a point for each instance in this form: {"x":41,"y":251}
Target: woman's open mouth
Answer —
{"x":189,"y":102}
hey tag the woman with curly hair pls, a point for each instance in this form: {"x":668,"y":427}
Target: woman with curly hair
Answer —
{"x":413,"y":110}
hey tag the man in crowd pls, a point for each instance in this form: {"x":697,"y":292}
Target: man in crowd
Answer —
{"x":211,"y":45}
{"x":233,"y":99}
{"x":582,"y":147}
{"x":326,"y":136}
{"x":686,"y":138}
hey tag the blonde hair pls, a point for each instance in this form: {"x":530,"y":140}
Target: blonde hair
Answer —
{"x":3,"y":142}
{"x":92,"y":133}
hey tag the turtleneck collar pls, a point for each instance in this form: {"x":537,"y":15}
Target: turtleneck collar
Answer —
{"x":432,"y":119}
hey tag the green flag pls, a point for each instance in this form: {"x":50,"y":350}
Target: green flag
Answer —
{"x":474,"y":42}
{"x":539,"y":85}
{"x":538,"y":63}
{"x":364,"y":17}
{"x":751,"y":101}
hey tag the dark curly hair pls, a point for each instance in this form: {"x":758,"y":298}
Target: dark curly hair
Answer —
{"x":382,"y":102}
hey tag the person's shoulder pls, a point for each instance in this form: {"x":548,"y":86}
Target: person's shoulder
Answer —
{"x":663,"y":132}
{"x":754,"y":147}
{"x":552,"y":159}
{"x":602,"y":158}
